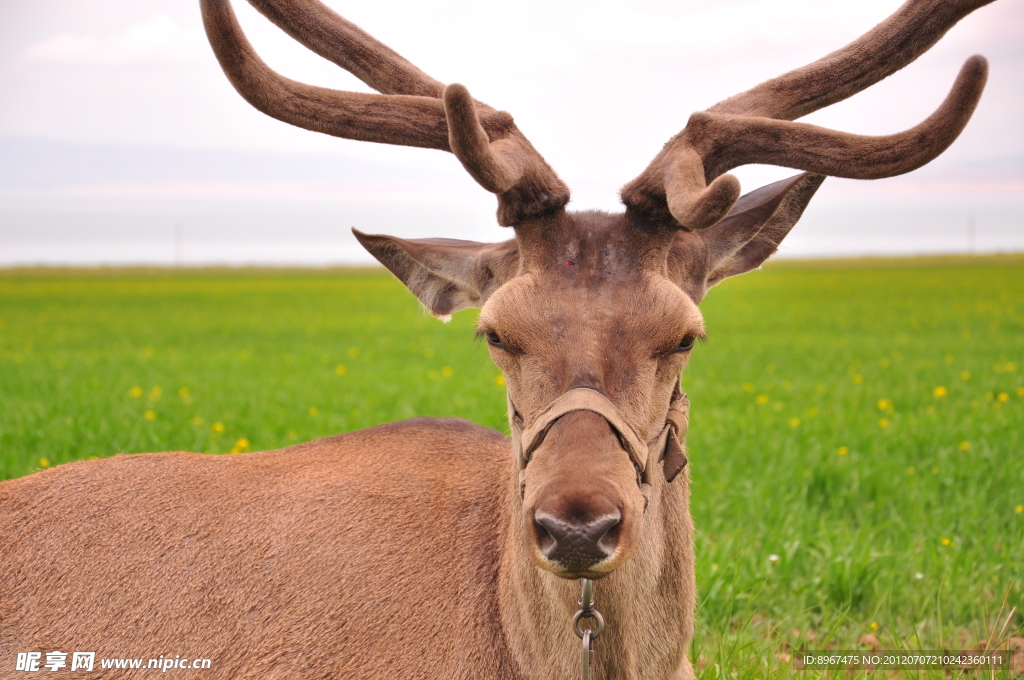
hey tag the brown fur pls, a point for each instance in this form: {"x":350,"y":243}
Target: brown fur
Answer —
{"x":414,"y":549}
{"x":263,"y":562}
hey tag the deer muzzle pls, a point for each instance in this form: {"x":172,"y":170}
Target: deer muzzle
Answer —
{"x":583,"y":507}
{"x":589,"y":474}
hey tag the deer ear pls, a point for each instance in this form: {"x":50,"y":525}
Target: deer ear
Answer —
{"x":445,"y":274}
{"x":744,"y":239}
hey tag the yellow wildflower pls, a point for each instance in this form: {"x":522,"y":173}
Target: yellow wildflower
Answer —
{"x":341,"y":369}
{"x":218,"y":428}
{"x":843,"y":450}
{"x":940,"y":392}
{"x":499,"y":380}
{"x":135,"y":392}
{"x":447,"y":371}
{"x":44,"y":462}
{"x":149,"y":415}
{"x":761,"y":399}
{"x":883,"y":423}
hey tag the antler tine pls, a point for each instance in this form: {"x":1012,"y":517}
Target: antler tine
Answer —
{"x":402,"y":120}
{"x":730,"y":141}
{"x":337,"y":39}
{"x":684,"y":184}
{"x":411,"y":112}
{"x":910,"y":32}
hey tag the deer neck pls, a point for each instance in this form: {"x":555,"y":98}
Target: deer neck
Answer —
{"x":648,"y":603}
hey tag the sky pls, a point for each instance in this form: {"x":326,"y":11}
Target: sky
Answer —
{"x":109,"y":104}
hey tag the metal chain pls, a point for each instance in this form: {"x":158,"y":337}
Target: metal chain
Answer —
{"x":587,"y":611}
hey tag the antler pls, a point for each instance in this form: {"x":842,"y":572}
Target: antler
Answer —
{"x":413,"y":109}
{"x":685,"y":186}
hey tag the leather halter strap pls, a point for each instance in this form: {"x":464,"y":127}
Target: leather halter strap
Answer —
{"x":667,"y":448}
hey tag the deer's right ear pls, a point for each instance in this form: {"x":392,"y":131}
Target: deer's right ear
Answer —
{"x":445,"y":274}
{"x":744,"y":239}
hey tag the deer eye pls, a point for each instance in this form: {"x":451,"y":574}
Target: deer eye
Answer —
{"x":494,"y":341}
{"x":686,"y":344}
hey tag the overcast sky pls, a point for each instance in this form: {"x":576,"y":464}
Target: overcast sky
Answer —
{"x":598,"y":87}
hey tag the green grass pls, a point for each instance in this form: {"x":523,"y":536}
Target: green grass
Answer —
{"x":86,"y":355}
{"x":856,"y":439}
{"x":858,"y":446}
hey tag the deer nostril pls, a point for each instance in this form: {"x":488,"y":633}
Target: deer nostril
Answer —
{"x":543,"y":527}
{"x":598,"y":530}
{"x":577,"y":545}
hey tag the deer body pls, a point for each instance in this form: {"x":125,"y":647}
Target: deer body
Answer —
{"x":314,"y":561}
{"x":319,"y":561}
{"x":435,"y":548}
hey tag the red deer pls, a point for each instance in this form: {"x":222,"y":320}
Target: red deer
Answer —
{"x":437,"y":548}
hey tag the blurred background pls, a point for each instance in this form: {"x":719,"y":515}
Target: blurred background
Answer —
{"x":121,"y":142}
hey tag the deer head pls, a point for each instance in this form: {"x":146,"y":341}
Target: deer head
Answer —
{"x":592,"y":316}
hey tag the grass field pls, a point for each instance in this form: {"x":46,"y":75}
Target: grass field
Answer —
{"x":856,"y":439}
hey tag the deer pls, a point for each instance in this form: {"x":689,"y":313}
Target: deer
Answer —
{"x":436,"y":547}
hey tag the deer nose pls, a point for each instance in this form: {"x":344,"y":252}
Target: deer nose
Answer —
{"x":577,"y":544}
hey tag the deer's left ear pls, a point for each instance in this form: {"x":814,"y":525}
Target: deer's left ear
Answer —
{"x":744,"y":239}
{"x":445,"y":274}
